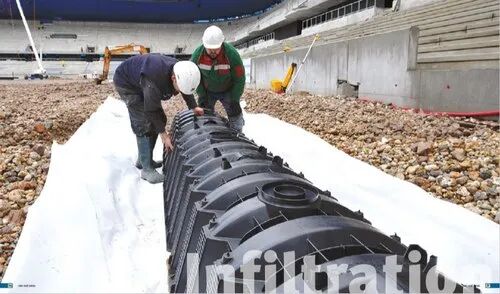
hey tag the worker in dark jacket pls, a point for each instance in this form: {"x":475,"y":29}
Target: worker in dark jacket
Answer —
{"x":142,"y":82}
{"x":222,"y":75}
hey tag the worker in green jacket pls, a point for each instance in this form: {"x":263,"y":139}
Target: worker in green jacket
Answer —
{"x":222,"y":76}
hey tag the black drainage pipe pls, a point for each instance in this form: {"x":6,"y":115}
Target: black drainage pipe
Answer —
{"x":226,"y":197}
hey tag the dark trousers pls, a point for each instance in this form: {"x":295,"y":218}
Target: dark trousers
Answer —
{"x":134,"y":100}
{"x":232,"y":108}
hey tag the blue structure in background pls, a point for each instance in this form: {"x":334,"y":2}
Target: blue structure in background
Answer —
{"x":148,"y":11}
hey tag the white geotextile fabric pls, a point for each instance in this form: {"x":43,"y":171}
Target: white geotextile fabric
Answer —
{"x":97,"y":227}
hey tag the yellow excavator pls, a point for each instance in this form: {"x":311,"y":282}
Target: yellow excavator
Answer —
{"x":109,"y":52}
{"x":280,"y":86}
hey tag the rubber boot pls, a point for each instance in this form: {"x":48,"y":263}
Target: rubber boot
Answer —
{"x":152,"y":142}
{"x":237,"y":122}
{"x":156,"y":164}
{"x":148,"y":173}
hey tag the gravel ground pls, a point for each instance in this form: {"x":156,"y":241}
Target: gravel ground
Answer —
{"x":451,"y":158}
{"x":455,"y":159}
{"x":32,"y":115}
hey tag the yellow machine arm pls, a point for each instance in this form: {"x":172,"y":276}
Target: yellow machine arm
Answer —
{"x":108,"y":53}
{"x":289,"y":75}
{"x":279,"y":86}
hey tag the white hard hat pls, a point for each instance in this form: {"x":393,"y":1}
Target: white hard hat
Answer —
{"x":187,"y":76}
{"x":213,"y":37}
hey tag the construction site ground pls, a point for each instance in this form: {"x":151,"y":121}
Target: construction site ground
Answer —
{"x":454,"y":159}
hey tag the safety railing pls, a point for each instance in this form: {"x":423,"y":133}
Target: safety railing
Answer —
{"x":266,"y":37}
{"x":337,"y":13}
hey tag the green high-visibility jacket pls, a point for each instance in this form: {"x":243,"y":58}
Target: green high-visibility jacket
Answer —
{"x":223,"y":74}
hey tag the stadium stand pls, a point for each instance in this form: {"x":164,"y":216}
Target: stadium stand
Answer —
{"x":414,"y":58}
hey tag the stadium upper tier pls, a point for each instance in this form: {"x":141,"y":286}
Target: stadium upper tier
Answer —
{"x":88,"y":37}
{"x":155,"y":11}
{"x":92,"y":37}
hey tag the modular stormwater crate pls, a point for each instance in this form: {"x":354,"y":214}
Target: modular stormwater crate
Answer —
{"x":239,"y":219}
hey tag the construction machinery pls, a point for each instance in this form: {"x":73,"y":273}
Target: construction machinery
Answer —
{"x":280,"y":86}
{"x":40,"y":73}
{"x":316,"y":38}
{"x":109,"y":52}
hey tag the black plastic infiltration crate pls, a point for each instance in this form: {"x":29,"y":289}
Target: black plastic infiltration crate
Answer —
{"x":226,"y":197}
